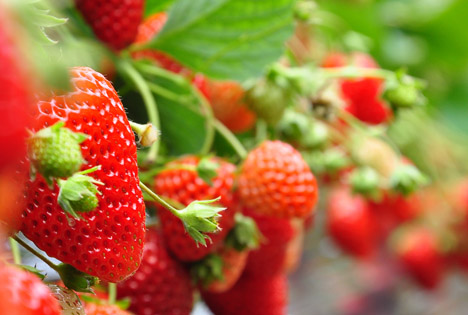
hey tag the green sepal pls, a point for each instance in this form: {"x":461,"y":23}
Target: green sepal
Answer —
{"x":75,"y":190}
{"x":76,"y":280}
{"x":207,"y":270}
{"x":365,"y":181}
{"x":33,"y":270}
{"x":123,"y":304}
{"x":207,"y":169}
{"x":406,"y":179}
{"x":244,"y":235}
{"x":200,"y":217}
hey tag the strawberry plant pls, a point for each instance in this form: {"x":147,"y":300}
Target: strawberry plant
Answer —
{"x":171,"y":152}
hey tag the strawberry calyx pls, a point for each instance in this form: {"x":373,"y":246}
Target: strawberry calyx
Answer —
{"x":406,"y":179}
{"x":365,"y":181}
{"x":74,"y":279}
{"x":245,"y":234}
{"x":207,"y":170}
{"x":55,"y":152}
{"x":200,"y":216}
{"x":208,"y":270}
{"x":78,"y":193}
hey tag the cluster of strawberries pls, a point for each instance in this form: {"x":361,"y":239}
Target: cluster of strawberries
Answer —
{"x":81,"y":202}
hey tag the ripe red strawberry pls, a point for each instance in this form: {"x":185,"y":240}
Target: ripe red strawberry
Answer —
{"x":419,"y":254}
{"x":401,"y":208}
{"x":104,"y":309}
{"x":15,"y":94}
{"x":251,"y":296}
{"x":361,"y":94}
{"x":295,"y":246}
{"x":275,"y":180}
{"x":185,"y":186}
{"x":351,"y":223}
{"x":114,"y":22}
{"x":147,"y":30}
{"x":161,"y":285}
{"x":269,"y":259}
{"x":22,"y":292}
{"x":107,"y":242}
{"x":227,"y":100}
{"x":227,"y":265}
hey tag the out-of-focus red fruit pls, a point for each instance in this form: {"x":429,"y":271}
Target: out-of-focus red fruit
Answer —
{"x":147,"y":30}
{"x":113,"y":22}
{"x":23,"y":293}
{"x":419,"y":254}
{"x":227,"y":100}
{"x":276,"y":181}
{"x":401,"y":208}
{"x":269,"y":259}
{"x":351,"y":224}
{"x":15,"y":92}
{"x":334,"y":60}
{"x":11,"y":205}
{"x":251,"y":296}
{"x":295,"y":246}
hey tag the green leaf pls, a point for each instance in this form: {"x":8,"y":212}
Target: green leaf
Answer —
{"x":155,"y":6}
{"x":207,"y":170}
{"x":33,"y":270}
{"x":233,"y":39}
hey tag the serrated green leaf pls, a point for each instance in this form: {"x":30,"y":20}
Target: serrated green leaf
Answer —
{"x":233,"y":39}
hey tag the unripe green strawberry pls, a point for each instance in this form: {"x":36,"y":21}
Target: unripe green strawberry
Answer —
{"x":56,"y":152}
{"x":268,"y":100}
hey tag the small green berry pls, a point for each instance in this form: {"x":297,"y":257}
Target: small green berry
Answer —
{"x":55,"y":152}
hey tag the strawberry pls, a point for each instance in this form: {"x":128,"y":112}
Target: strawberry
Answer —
{"x":351,"y":223}
{"x":251,"y":296}
{"x":275,"y":180}
{"x":22,"y":292}
{"x":104,"y":309}
{"x":161,"y":285}
{"x":115,"y":23}
{"x":269,"y":259}
{"x":227,"y":100}
{"x":55,"y":151}
{"x":146,"y":31}
{"x":401,"y":208}
{"x":419,"y":254}
{"x":295,"y":246}
{"x":184,"y":186}
{"x":15,"y":95}
{"x":107,"y":242}
{"x":361,"y":94}
{"x":219,"y":272}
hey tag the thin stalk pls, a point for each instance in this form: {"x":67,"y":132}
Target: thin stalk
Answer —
{"x":112,"y":293}
{"x":148,"y":100}
{"x":231,"y":138}
{"x":210,"y":121}
{"x":15,"y":251}
{"x":160,"y":200}
{"x":36,"y":253}
{"x":261,"y":131}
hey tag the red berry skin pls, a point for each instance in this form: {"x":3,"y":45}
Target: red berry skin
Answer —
{"x":15,"y":93}
{"x":147,"y":30}
{"x":334,"y":60}
{"x":351,"y":224}
{"x":276,"y":181}
{"x":23,"y":293}
{"x":420,"y":256}
{"x":185,"y":186}
{"x":114,"y":22}
{"x":226,"y":99}
{"x":107,"y":242}
{"x":269,"y":259}
{"x":251,"y":296}
{"x":161,"y":285}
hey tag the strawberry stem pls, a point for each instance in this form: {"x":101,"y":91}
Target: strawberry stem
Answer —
{"x":231,"y":139}
{"x":160,"y":200}
{"x":112,"y":293}
{"x":148,"y":101}
{"x":15,"y":251}
{"x":35,"y":253}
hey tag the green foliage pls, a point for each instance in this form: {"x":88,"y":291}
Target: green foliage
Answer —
{"x":226,"y":38}
{"x":155,"y":6}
